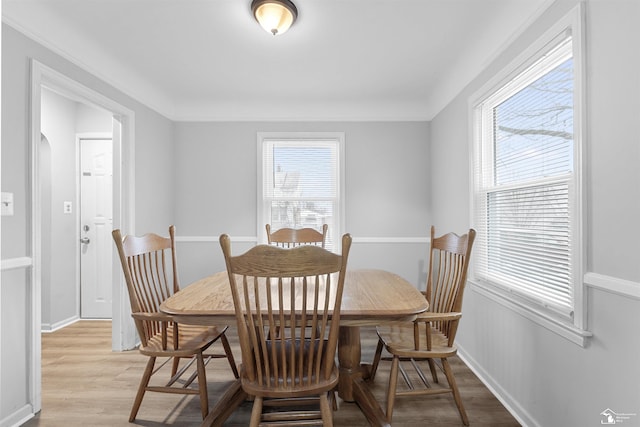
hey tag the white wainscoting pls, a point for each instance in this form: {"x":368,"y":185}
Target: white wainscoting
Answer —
{"x":514,"y":408}
{"x":21,"y":415}
{"x":621,"y":287}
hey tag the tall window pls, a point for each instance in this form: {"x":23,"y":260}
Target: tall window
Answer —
{"x":301,"y":182}
{"x":527,"y":198}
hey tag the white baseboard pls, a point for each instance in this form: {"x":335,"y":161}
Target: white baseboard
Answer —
{"x":18,"y":418}
{"x":47,"y":328}
{"x":514,"y":408}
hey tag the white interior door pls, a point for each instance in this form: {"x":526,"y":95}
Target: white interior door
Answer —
{"x":96,"y":223}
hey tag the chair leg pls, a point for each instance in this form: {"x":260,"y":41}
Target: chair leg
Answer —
{"x":229,"y":353}
{"x":393,"y":383}
{"x":333,"y":399}
{"x":256,"y":412}
{"x":454,"y":390}
{"x":325,"y":410}
{"x":202,"y":386}
{"x":376,"y":361}
{"x":432,"y":367}
{"x":174,"y":367}
{"x":144,"y":382}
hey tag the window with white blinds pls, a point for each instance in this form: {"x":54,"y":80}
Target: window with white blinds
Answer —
{"x":301,"y":182}
{"x":525,"y":194}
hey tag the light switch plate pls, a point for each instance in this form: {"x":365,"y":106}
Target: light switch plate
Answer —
{"x":67,"y":207}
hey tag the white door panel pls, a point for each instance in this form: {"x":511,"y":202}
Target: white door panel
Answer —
{"x":95,"y":228}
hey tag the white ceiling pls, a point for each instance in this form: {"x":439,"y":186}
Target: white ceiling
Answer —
{"x":342,"y":59}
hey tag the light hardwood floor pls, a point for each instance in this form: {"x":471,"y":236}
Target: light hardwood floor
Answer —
{"x":84,"y":384}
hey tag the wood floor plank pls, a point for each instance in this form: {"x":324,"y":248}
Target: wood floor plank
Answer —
{"x":85,"y":384}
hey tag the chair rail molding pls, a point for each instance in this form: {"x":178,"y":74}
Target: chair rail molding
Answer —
{"x":206,"y":239}
{"x":15,"y":263}
{"x":622,"y":287}
{"x":411,"y":240}
{"x":254,"y":239}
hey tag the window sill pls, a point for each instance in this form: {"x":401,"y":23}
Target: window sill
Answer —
{"x":536,"y":314}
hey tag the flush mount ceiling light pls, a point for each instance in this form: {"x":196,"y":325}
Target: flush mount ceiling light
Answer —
{"x":275,"y":16}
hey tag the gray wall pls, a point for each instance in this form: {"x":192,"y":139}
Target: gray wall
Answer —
{"x":153,"y":205}
{"x":59,"y":286}
{"x":387,"y":196}
{"x":545,"y":379}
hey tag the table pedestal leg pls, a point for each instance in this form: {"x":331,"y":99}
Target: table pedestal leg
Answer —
{"x":349,"y":357}
{"x":228,"y":402}
{"x":352,"y":387}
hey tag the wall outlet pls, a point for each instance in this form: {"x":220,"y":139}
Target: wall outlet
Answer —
{"x":67,"y":208}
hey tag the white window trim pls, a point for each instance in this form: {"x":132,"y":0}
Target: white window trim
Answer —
{"x":336,"y":232}
{"x":574,"y":325}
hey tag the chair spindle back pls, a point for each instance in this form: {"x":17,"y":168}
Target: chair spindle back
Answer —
{"x":292,"y":237}
{"x":150,"y":269}
{"x":297,"y":292}
{"x":448,"y":264}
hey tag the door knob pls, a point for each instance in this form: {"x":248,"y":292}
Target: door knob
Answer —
{"x":85,"y":240}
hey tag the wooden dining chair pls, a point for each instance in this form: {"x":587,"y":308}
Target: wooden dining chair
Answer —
{"x":292,"y":237}
{"x":431,"y":336}
{"x":297,"y":291}
{"x":149,"y":265}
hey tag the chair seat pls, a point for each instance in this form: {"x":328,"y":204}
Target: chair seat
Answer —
{"x":192,"y":338}
{"x":292,"y":390}
{"x":398,"y":339}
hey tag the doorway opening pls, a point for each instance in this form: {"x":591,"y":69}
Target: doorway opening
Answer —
{"x":76,"y":199}
{"x":46,"y":205}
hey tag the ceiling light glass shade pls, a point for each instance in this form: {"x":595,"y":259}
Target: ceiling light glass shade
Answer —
{"x":275,"y":16}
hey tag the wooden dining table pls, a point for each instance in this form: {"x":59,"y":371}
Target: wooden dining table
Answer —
{"x":370,"y":297}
